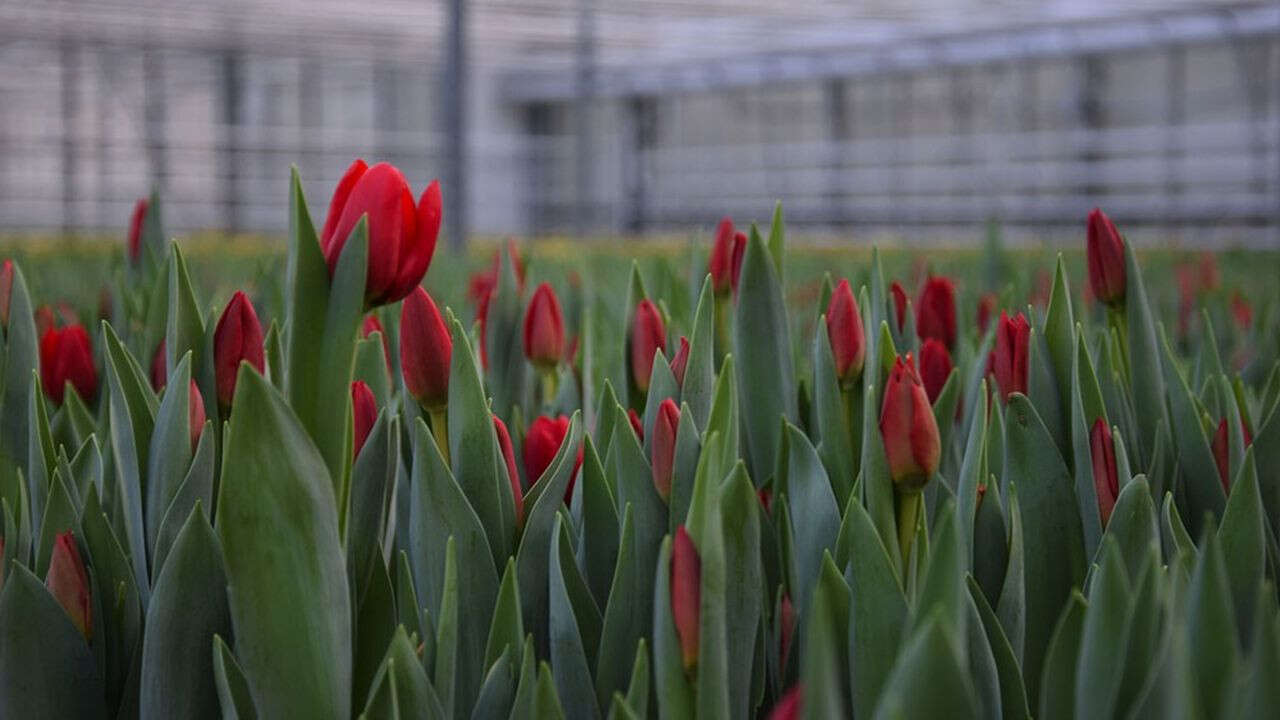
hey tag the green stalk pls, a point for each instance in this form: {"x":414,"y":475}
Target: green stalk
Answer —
{"x":907,"y":506}
{"x":440,"y":431}
{"x":550,"y":385}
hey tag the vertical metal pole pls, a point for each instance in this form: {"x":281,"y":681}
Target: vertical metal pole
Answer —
{"x":102,"y":104}
{"x":232,"y":92}
{"x":835,"y":95}
{"x":640,"y":119}
{"x":153,"y":93}
{"x":537,"y":203}
{"x":1091,"y":86}
{"x":584,"y":152}
{"x":963,"y":157}
{"x":1176,"y":117}
{"x":70,"y":112}
{"x":455,"y":96}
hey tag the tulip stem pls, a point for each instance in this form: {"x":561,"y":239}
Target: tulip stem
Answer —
{"x":550,"y":385}
{"x":908,"y":510}
{"x":440,"y":430}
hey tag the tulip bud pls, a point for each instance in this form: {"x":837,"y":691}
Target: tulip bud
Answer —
{"x":45,"y":320}
{"x":899,"y":303}
{"x":910,"y":432}
{"x":237,"y":338}
{"x":372,"y":325}
{"x":541,"y":443}
{"x":6,"y":289}
{"x":135,"y":229}
{"x":787,"y":629}
{"x":68,"y":582}
{"x":1104,"y":253}
{"x":936,"y":313}
{"x":663,"y":453}
{"x":844,"y":328}
{"x":1241,"y":310}
{"x":1106,"y":482}
{"x":935,"y":367}
{"x":791,"y":706}
{"x":402,"y":236}
{"x":986,"y":306}
{"x":1008,"y":360}
{"x":66,"y":357}
{"x":195,"y":413}
{"x":509,"y":459}
{"x":426,"y":350}
{"x":739,"y":250}
{"x":159,"y":368}
{"x":680,"y":361}
{"x":720,"y":265}
{"x":636,"y":423}
{"x":648,"y":335}
{"x":544,"y":328}
{"x":1221,"y":447}
{"x":364,"y":413}
{"x":686,"y":595}
{"x":765,"y":496}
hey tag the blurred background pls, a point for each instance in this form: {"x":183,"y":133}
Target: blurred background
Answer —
{"x":926,"y":120}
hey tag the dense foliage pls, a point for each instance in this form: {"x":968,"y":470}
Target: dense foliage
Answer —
{"x":720,"y":497}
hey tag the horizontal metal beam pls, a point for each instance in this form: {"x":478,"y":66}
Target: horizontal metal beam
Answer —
{"x":1027,"y":42}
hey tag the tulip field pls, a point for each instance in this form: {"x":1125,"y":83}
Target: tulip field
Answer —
{"x":736,"y":478}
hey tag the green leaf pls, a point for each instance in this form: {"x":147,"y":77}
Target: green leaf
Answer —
{"x":1133,"y":526}
{"x":569,"y":665}
{"x":1145,"y":372}
{"x":777,"y":233}
{"x":118,"y":643}
{"x":233,"y":689}
{"x":372,"y":483}
{"x":635,"y":487}
{"x":724,"y":416}
{"x":1212,"y":629}
{"x":60,"y":515}
{"x":821,"y":665}
{"x":184,"y":331}
{"x":675,"y":695}
{"x":699,"y":374}
{"x":415,"y":697}
{"x":1058,"y":681}
{"x":638,"y":687}
{"x":877,"y":484}
{"x":447,"y":674}
{"x":1084,"y":384}
{"x":878,"y":614}
{"x":1103,"y":638}
{"x":688,"y":451}
{"x":1058,"y":332}
{"x":1042,"y":390}
{"x":506,"y":632}
{"x":1199,"y":470}
{"x":740,"y":522}
{"x":598,"y":543}
{"x":943,"y":586}
{"x":1013,"y":694}
{"x":1054,"y":560}
{"x":197,"y":485}
{"x":171,"y":449}
{"x":522,"y":705}
{"x":762,"y":351}
{"x":546,"y":703}
{"x":287,"y":586}
{"x":831,"y":418}
{"x":814,"y":513}
{"x":371,"y":367}
{"x":930,"y":653}
{"x":188,"y":608}
{"x":47,"y":670}
{"x":508,"y":370}
{"x":624,"y":624}
{"x":21,"y":356}
{"x":1243,"y":536}
{"x":375,"y":622}
{"x":983,"y":672}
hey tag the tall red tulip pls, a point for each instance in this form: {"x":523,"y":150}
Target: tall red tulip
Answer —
{"x":509,"y":459}
{"x":936,"y":311}
{"x":1104,"y":254}
{"x":911,"y":441}
{"x":6,"y":289}
{"x":425,"y":350}
{"x":1106,"y":481}
{"x":663,"y":451}
{"x":648,"y":335}
{"x":1008,"y":359}
{"x":899,"y":303}
{"x":195,"y":413}
{"x":686,"y":596}
{"x":680,"y":361}
{"x":135,"y":229}
{"x":720,"y":264}
{"x":236,"y":339}
{"x":544,"y":328}
{"x":935,"y":367}
{"x":844,"y":329}
{"x":68,"y":582}
{"x":67,"y":357}
{"x":364,"y":413}
{"x":402,"y":235}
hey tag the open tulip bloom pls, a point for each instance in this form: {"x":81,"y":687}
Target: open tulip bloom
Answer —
{"x":756,"y":494}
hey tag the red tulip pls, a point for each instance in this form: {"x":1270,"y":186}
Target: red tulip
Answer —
{"x":1221,"y":447}
{"x":911,"y":442}
{"x":663,"y":452}
{"x":986,"y":307}
{"x":541,"y":443}
{"x":844,"y":328}
{"x":66,"y":357}
{"x":372,"y":325}
{"x":1210,"y":278}
{"x":544,"y":328}
{"x":936,"y":312}
{"x":791,"y":706}
{"x":1241,"y":310}
{"x":686,"y":595}
{"x":135,"y":229}
{"x":402,"y":236}
{"x":1106,"y":482}
{"x":236,"y":339}
{"x":364,"y":413}
{"x":6,"y":289}
{"x":425,"y":350}
{"x":739,"y":250}
{"x":68,"y":582}
{"x":636,"y":423}
{"x":648,"y":335}
{"x":1104,"y":254}
{"x":44,"y":319}
{"x":787,"y":629}
{"x":765,"y":496}
{"x":509,"y":459}
{"x":935,"y":367}
{"x":1008,"y":361}
{"x":899,"y":303}
{"x":680,"y":361}
{"x":720,"y":265}
{"x":159,"y":368}
{"x":195,"y":413}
